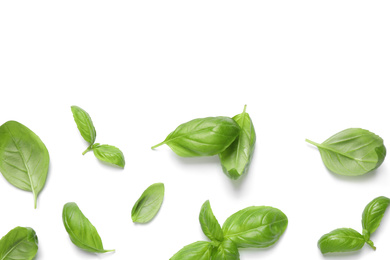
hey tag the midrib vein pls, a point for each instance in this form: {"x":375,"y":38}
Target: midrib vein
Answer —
{"x":12,"y":249}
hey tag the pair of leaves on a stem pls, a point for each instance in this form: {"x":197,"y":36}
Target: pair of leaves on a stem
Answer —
{"x":24,"y":159}
{"x":19,"y":243}
{"x":348,"y":239}
{"x":352,"y":152}
{"x":252,"y":227}
{"x":233,"y":139}
{"x":104,"y":152}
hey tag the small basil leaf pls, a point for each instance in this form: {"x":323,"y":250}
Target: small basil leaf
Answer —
{"x":196,"y":251}
{"x":202,"y":137}
{"x":148,"y":204}
{"x":341,"y":240}
{"x":19,"y":243}
{"x":109,"y":154}
{"x":373,"y":214}
{"x":257,"y":226}
{"x":24,"y":159}
{"x":235,"y":160}
{"x":84,"y":124}
{"x":81,"y":232}
{"x":227,"y":250}
{"x":209,"y":223}
{"x":352,"y":152}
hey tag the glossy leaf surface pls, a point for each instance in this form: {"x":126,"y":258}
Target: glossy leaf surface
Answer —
{"x":352,"y":152}
{"x":21,"y":243}
{"x":373,"y":213}
{"x":196,"y":251}
{"x":209,"y":223}
{"x":227,"y":250}
{"x":84,"y":124}
{"x":109,"y":154}
{"x":148,"y":204}
{"x":202,"y":137}
{"x":235,"y":160}
{"x":341,"y":240}
{"x":24,"y":159}
{"x":81,"y":232}
{"x":257,"y":226}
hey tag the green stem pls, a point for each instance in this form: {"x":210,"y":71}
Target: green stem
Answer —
{"x":112,"y":250}
{"x":157,"y":145}
{"x":311,"y":142}
{"x":244,"y":110}
{"x":88,"y":149}
{"x":371,"y":244}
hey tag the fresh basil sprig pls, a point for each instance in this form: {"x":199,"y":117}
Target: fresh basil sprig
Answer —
{"x":256,"y":227}
{"x":24,"y":159}
{"x":81,"y":231}
{"x":19,"y":243}
{"x":347,"y":239}
{"x":352,"y":152}
{"x":147,"y":206}
{"x":105,"y":153}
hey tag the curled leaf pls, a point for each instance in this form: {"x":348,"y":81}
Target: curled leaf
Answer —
{"x":148,"y":204}
{"x":209,"y":223}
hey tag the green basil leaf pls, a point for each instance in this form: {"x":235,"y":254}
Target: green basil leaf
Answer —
{"x":196,"y":251}
{"x":209,"y":223}
{"x":202,"y":137}
{"x":235,"y":160}
{"x":341,"y":240}
{"x":19,"y":243}
{"x":24,"y":159}
{"x":84,"y":124}
{"x":148,"y":204}
{"x":256,"y":226}
{"x":373,"y":214}
{"x":352,"y":152}
{"x":109,"y":154}
{"x":81,"y":232}
{"x":227,"y":250}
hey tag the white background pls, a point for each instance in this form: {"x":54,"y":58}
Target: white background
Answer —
{"x":306,"y":69}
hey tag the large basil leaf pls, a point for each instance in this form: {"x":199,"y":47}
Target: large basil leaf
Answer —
{"x":19,"y":243}
{"x":256,"y":226}
{"x":82,"y":233}
{"x":148,"y":204}
{"x":352,"y":152}
{"x":209,"y":223}
{"x":109,"y":153}
{"x":227,"y":250}
{"x":24,"y":159}
{"x":235,"y":160}
{"x":196,"y":251}
{"x":341,"y":240}
{"x":84,"y":124}
{"x":373,"y":214}
{"x":202,"y":137}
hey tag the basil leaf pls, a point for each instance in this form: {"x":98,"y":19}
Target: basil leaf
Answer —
{"x":24,"y":159}
{"x":209,"y":223}
{"x":81,"y":232}
{"x":341,"y":240}
{"x":196,"y":251}
{"x":373,"y":214}
{"x":227,"y":250}
{"x":235,"y":160}
{"x":84,"y":124}
{"x":109,"y":154}
{"x":256,"y":226}
{"x":148,"y":204}
{"x":352,"y":152}
{"x":19,"y":243}
{"x":202,"y":137}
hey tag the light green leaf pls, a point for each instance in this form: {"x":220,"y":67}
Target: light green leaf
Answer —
{"x":227,"y":250}
{"x":109,"y":154}
{"x":84,"y":124}
{"x":373,"y":214}
{"x":209,"y":223}
{"x":148,"y":204}
{"x":20,"y":243}
{"x":341,"y":240}
{"x":196,"y":251}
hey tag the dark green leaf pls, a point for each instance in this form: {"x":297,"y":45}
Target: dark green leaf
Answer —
{"x":20,"y":243}
{"x":202,"y":137}
{"x":24,"y":159}
{"x":373,"y":214}
{"x":109,"y":154}
{"x":227,"y":250}
{"x":82,"y":233}
{"x":209,"y":223}
{"x":257,"y":226}
{"x":352,"y":152}
{"x":341,"y":240}
{"x":84,"y":124}
{"x":148,"y":204}
{"x":235,"y":160}
{"x":196,"y":251}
